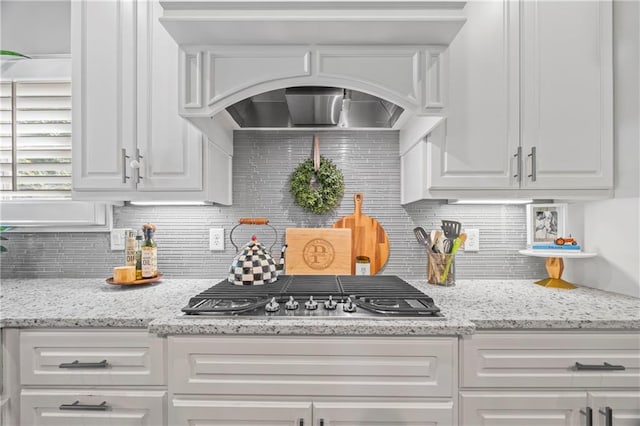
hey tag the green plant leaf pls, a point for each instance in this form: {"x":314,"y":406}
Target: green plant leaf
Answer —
{"x":12,"y":53}
{"x":4,"y":228}
{"x":3,"y":249}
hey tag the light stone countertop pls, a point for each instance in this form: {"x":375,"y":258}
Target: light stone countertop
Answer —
{"x":470,"y":305}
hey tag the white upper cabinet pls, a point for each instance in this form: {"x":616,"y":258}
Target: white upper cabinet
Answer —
{"x":172,"y":147}
{"x":529,"y":111}
{"x":129,"y":143}
{"x":476,"y":147}
{"x":103,"y":41}
{"x":567,"y":94}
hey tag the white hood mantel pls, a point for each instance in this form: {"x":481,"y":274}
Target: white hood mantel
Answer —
{"x":287,"y":22}
{"x":233,"y":50}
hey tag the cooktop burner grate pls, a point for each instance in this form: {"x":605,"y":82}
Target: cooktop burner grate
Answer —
{"x":377,"y":295}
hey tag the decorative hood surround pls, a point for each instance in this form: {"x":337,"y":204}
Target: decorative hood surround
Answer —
{"x":231,"y":51}
{"x":295,"y":22}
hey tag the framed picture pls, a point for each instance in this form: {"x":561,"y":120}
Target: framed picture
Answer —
{"x":545,"y":223}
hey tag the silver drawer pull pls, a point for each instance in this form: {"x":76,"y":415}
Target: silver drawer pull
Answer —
{"x":608,"y":416}
{"x":86,"y":407}
{"x":604,"y":367}
{"x":533,"y":164}
{"x":78,"y":364}
{"x":588,"y":413}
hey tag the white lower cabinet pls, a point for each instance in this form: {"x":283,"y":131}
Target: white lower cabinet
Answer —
{"x":73,"y":407}
{"x":73,"y":377}
{"x":521,"y":408}
{"x":244,"y":412}
{"x":617,"y":408}
{"x":545,"y":378}
{"x":317,"y":413}
{"x":431,"y":413}
{"x":310,"y":380}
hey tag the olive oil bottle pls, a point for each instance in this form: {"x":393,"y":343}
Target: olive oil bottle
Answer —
{"x":149,"y":252}
{"x":139,"y":255}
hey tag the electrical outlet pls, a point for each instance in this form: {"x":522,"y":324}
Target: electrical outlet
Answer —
{"x":216,"y":238}
{"x":473,"y":240}
{"x":118,"y":238}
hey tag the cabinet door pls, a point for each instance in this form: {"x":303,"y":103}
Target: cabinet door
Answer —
{"x":103,"y":41}
{"x":383,"y":413}
{"x":625,"y":407}
{"x":189,"y":412}
{"x":93,"y":407}
{"x":502,"y":408}
{"x":481,"y":138}
{"x":567,"y":94}
{"x":170,"y":146}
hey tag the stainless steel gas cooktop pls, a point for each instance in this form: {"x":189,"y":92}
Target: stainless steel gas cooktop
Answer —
{"x":317,"y":296}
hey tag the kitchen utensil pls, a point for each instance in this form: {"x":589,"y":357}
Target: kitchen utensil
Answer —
{"x":433,"y":234}
{"x":423,"y":238}
{"x":451,"y":228}
{"x":438,"y":243}
{"x":318,"y":251}
{"x":253,"y":265}
{"x":460,"y":240}
{"x":368,"y":237}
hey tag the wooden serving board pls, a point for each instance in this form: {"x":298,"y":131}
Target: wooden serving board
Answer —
{"x":368,"y":237}
{"x":318,"y":251}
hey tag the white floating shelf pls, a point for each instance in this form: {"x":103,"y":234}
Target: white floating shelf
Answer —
{"x":569,"y":254}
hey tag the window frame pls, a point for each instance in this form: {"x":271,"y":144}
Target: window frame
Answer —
{"x":47,"y":214}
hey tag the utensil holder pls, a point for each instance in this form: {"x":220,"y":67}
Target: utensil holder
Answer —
{"x":441,"y":269}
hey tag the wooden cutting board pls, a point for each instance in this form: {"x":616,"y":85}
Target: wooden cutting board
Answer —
{"x":318,"y":251}
{"x":368,"y":237}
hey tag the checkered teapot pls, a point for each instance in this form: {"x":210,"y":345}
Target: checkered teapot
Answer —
{"x":254,"y":265}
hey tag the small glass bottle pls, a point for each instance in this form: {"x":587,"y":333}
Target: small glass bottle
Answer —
{"x":149,"y":252}
{"x":139,"y":256}
{"x":130,"y":249}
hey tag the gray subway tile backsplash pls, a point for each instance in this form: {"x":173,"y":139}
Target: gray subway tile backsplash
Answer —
{"x":262,"y":164}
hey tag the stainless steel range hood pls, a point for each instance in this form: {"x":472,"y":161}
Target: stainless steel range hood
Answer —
{"x":312,"y":63}
{"x":312,"y":106}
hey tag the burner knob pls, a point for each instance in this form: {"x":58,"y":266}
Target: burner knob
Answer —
{"x":311,"y":304}
{"x":330,"y":304}
{"x":349,"y":306}
{"x":272,"y":306}
{"x":291,"y":305}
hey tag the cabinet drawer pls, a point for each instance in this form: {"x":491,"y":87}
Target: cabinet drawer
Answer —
{"x":512,"y":408}
{"x":93,"y":407}
{"x":202,"y":411}
{"x":96,"y":357}
{"x":543,"y":360}
{"x":337,"y":366}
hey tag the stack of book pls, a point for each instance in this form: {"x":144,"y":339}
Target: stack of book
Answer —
{"x":552,"y":246}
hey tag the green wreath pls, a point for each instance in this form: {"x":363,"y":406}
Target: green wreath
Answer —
{"x":327,"y":192}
